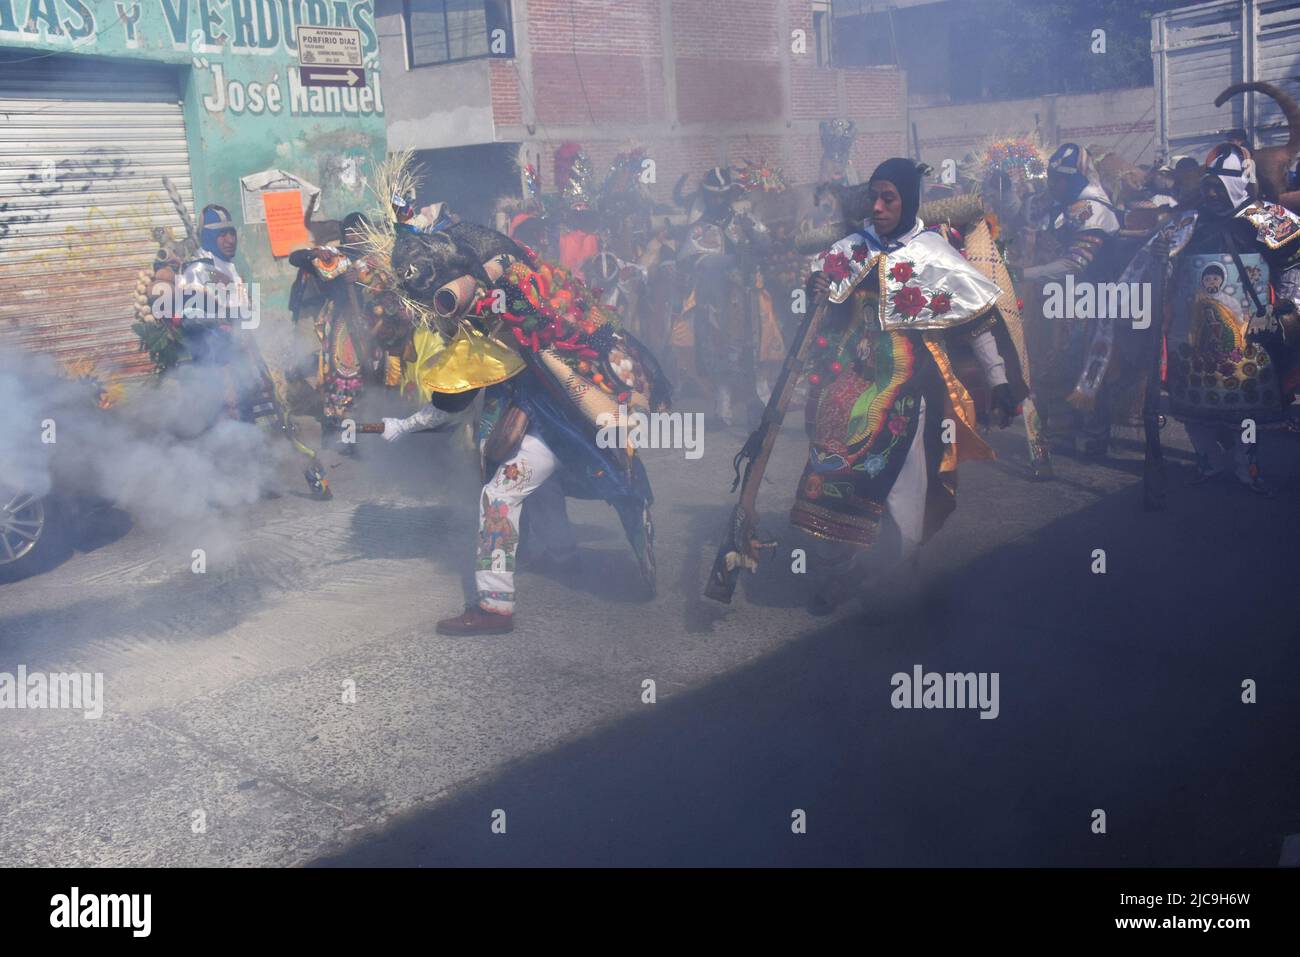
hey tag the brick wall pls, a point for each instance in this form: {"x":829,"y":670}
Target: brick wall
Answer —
{"x":872,"y":93}
{"x":727,"y":29}
{"x":728,"y":87}
{"x":595,"y":87}
{"x":506,"y":107}
{"x":595,"y":26}
{"x":730,"y":90}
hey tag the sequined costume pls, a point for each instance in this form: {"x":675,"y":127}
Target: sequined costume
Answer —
{"x":1233,"y":274}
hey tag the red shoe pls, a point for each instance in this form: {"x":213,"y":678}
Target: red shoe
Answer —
{"x":477,"y":621}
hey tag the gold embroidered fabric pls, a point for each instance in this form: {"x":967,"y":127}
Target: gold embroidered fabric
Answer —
{"x":960,"y":407}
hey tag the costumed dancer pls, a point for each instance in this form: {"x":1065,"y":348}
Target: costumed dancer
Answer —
{"x":625,"y":206}
{"x":1273,"y":163}
{"x":882,"y":384}
{"x":717,"y":254}
{"x":556,"y":370}
{"x":579,"y":237}
{"x":361,"y":324}
{"x":1234,"y":279}
{"x":214,"y":293}
{"x":646,"y":255}
{"x":1082,"y":223}
{"x":212,"y":290}
{"x":837,"y":142}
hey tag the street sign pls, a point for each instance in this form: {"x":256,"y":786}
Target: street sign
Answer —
{"x":329,"y":46}
{"x":332,"y":76}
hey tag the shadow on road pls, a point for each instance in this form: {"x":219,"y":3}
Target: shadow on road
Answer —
{"x":1119,"y":692}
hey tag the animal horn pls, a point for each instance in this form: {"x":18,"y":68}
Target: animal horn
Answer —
{"x":1271,"y":162}
{"x":1290,"y":108}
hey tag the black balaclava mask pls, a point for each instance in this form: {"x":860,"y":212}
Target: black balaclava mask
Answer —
{"x":905,"y":174}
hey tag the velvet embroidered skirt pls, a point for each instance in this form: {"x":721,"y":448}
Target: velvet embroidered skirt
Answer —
{"x":862,"y":420}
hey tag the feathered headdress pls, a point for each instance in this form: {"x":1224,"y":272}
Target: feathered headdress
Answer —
{"x":394,"y":187}
{"x":565,"y":156}
{"x":532,"y":202}
{"x":1016,"y":156}
{"x":624,"y":174}
{"x":532,"y":184}
{"x":573,"y":176}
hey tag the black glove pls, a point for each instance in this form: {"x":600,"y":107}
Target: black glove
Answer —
{"x":1004,"y":405}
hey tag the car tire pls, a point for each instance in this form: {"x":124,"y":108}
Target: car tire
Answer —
{"x":52,"y":542}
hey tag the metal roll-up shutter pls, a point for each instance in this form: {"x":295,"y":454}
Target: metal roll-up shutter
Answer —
{"x":84,"y":146}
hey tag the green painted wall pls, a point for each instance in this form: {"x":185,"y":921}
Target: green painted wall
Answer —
{"x":245,"y":109}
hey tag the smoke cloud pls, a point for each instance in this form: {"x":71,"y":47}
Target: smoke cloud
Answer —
{"x":165,"y":453}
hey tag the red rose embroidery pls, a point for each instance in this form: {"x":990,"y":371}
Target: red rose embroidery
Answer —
{"x":909,"y":300}
{"x":901,"y":272}
{"x":861,"y":252}
{"x":940,"y":303}
{"x":836,"y":266}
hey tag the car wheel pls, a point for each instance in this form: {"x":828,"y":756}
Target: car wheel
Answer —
{"x":22,"y":524}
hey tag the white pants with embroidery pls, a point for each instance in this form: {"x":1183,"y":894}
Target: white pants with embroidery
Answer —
{"x":498,"y":521}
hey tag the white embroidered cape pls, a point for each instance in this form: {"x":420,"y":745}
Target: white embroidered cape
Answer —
{"x":924,"y":283}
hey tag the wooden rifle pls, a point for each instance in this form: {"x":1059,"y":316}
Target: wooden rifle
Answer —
{"x":741,"y":545}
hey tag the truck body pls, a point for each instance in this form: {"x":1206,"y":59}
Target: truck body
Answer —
{"x":1200,"y":50}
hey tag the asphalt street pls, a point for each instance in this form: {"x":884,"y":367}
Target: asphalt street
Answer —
{"x":231,"y":737}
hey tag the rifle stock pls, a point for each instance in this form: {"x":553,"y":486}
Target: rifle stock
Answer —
{"x":739,"y":545}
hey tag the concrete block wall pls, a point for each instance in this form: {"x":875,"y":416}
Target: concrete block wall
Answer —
{"x":1119,"y":120}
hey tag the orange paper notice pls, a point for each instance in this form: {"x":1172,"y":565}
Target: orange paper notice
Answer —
{"x":284,"y":221}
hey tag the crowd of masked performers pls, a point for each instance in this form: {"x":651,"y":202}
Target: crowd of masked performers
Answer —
{"x":1222,"y":258}
{"x":593,"y":303}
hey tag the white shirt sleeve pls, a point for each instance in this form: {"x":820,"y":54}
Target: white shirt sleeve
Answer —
{"x":986,"y":351}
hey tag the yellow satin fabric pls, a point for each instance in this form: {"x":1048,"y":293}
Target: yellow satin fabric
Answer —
{"x":469,"y":361}
{"x":960,"y":407}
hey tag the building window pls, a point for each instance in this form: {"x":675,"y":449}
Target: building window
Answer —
{"x":444,"y":31}
{"x":821,"y":14}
